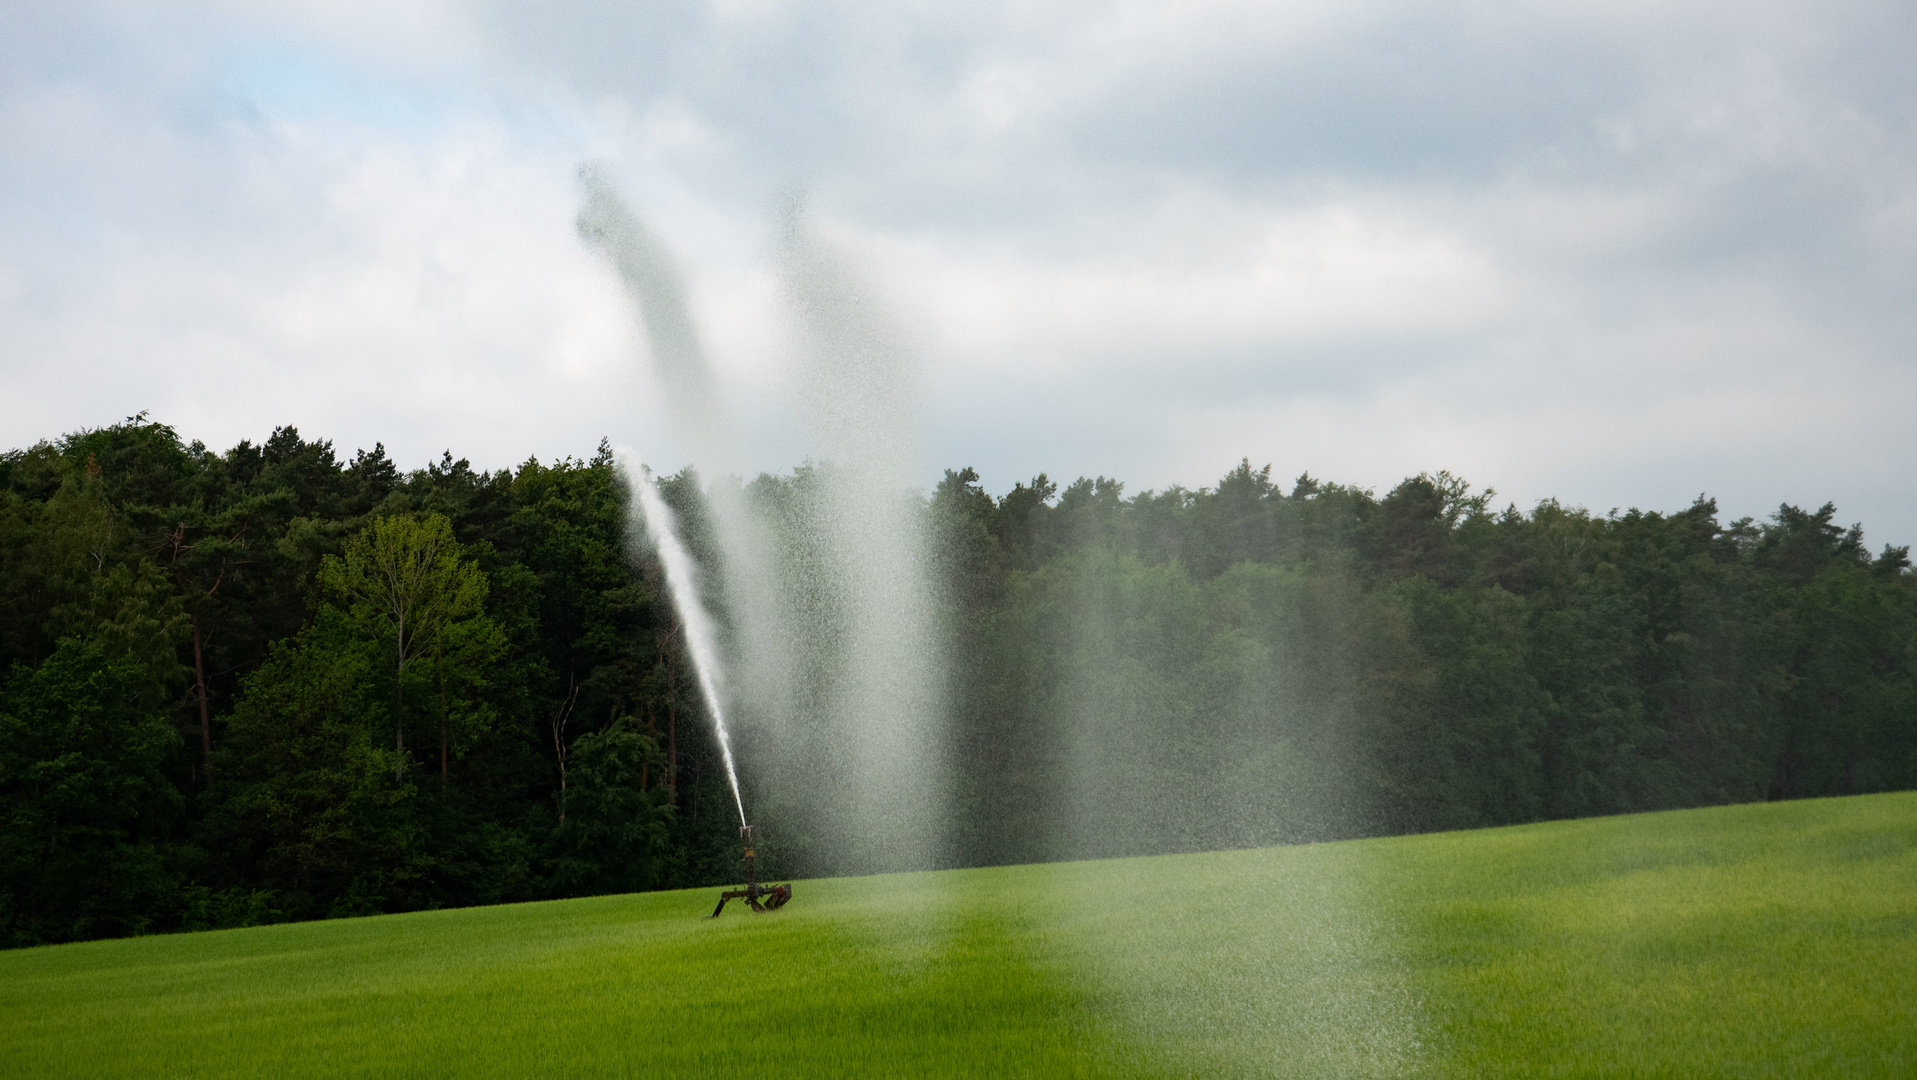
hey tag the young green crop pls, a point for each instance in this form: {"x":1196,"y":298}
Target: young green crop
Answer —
{"x":1776,"y":939}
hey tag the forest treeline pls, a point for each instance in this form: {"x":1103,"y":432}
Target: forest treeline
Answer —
{"x":1244,"y":665}
{"x":270,"y":684}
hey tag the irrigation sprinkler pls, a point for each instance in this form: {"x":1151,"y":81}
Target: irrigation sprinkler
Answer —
{"x":762,"y":898}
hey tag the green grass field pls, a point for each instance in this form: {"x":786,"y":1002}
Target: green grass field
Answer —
{"x":1749,"y":941}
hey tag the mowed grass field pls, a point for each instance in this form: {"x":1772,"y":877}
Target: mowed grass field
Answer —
{"x":1749,"y":941}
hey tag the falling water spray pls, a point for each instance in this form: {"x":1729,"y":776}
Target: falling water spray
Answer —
{"x":662,"y":528}
{"x":870,"y":596}
{"x":758,"y":683}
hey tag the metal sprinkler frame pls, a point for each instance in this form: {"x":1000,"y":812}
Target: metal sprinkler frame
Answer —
{"x":761,"y":898}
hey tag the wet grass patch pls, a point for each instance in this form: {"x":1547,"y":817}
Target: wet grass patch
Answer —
{"x":1768,"y":940}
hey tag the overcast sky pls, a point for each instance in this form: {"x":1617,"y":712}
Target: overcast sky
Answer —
{"x":1621,"y":253}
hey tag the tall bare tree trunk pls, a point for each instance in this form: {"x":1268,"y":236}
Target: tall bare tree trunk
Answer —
{"x":399,"y":730}
{"x":439,"y":683}
{"x":199,"y":682}
{"x":559,"y":744}
{"x":669,"y":656}
{"x":652,"y":732}
{"x":199,"y":657}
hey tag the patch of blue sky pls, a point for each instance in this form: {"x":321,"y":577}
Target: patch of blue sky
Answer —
{"x":286,"y":82}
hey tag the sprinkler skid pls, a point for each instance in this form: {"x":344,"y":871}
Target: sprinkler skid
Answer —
{"x":762,"y":898}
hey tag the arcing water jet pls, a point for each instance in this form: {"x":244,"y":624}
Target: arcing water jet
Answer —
{"x":701,"y":642}
{"x":662,"y":528}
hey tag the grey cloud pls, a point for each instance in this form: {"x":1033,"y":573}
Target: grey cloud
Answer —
{"x":1699,"y":219}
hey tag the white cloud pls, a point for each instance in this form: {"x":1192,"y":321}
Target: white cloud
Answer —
{"x":365,"y":287}
{"x":1193,"y":271}
{"x":1618,"y":253}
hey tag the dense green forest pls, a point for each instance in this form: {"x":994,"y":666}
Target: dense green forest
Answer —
{"x":270,"y":684}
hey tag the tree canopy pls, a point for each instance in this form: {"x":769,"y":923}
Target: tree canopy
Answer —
{"x":268,"y":683}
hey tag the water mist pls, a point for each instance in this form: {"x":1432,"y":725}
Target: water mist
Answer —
{"x":822,"y":582}
{"x":868,"y":603}
{"x":835,"y":667}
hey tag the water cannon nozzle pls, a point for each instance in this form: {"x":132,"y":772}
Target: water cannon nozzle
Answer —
{"x":760,"y":898}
